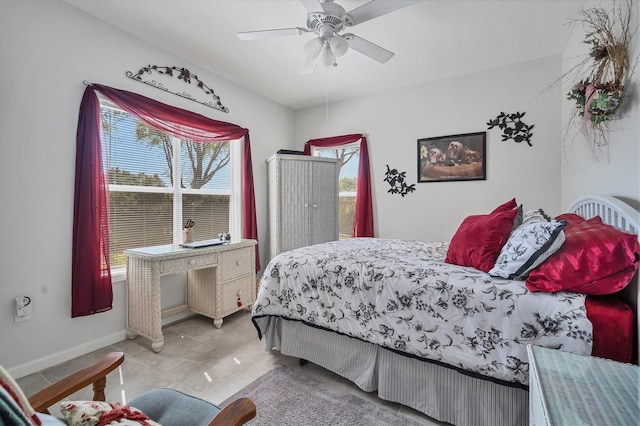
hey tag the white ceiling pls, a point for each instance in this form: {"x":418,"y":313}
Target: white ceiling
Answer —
{"x":432,"y":39}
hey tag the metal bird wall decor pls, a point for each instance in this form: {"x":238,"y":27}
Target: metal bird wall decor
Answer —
{"x":512,"y":127}
{"x":396,"y":180}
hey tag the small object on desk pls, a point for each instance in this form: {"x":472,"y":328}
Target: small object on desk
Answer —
{"x":187,"y":235}
{"x":203,"y":243}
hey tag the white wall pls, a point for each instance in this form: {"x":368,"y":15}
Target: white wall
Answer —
{"x":48,"y":48}
{"x":615,"y":169}
{"x":393,"y":121}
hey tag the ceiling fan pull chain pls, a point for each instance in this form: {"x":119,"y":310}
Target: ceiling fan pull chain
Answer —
{"x":326,"y":95}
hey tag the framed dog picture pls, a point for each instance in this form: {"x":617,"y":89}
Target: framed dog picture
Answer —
{"x":452,"y":158}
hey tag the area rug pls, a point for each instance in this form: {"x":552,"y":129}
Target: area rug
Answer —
{"x":286,"y":397}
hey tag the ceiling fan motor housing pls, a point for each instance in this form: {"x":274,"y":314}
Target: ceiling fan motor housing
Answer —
{"x":328,"y":23}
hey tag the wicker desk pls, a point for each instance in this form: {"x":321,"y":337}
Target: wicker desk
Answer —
{"x":569,"y":389}
{"x":220,"y":281}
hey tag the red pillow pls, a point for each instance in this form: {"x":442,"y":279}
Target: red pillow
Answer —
{"x":595,"y":259}
{"x":479,"y":239}
{"x":509,"y":205}
{"x":571,"y":218}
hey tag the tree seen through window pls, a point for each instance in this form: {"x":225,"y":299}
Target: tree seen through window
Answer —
{"x":157,"y":182}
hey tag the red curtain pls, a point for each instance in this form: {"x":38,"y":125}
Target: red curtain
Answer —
{"x":91,"y":209}
{"x":363,"y":222}
{"x":91,"y":275}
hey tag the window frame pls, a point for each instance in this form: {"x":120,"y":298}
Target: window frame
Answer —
{"x":315,"y":151}
{"x":118,"y":273}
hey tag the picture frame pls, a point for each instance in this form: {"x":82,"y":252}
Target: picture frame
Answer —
{"x":453,"y":158}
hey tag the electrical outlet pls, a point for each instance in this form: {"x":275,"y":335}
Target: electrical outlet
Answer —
{"x":23,"y":309}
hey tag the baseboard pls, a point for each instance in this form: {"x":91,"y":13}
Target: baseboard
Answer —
{"x":83,"y":349}
{"x":66,"y":355}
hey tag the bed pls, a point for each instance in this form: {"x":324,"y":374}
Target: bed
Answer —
{"x":446,"y":339}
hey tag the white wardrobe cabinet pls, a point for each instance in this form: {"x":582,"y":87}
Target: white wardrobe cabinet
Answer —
{"x":303,"y":201}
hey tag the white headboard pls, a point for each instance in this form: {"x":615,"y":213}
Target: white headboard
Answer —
{"x":620,"y":215}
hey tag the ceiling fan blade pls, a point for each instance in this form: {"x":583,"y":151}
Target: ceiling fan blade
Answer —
{"x":367,"y":48}
{"x":257,"y":35}
{"x":373,"y":9}
{"x":312,"y":6}
{"x":310,"y":64}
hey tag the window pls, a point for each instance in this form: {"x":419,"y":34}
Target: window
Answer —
{"x":157,"y":182}
{"x":349,"y":159}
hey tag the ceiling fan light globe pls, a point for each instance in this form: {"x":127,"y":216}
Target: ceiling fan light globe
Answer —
{"x":313,"y":47}
{"x":339,"y":46}
{"x":328,"y":57}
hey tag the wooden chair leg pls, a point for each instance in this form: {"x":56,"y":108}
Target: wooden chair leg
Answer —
{"x":98,"y":389}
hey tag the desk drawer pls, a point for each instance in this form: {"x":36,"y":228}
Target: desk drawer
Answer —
{"x":236,"y":263}
{"x":184,"y":263}
{"x":230,"y":291}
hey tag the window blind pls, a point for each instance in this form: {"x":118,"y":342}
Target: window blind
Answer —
{"x":157,"y":182}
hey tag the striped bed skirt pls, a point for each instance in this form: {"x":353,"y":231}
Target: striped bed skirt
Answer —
{"x":439,"y":392}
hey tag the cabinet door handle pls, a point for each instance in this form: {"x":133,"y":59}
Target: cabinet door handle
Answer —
{"x":306,"y":204}
{"x":315,"y":205}
{"x":238,"y":262}
{"x":192,"y":262}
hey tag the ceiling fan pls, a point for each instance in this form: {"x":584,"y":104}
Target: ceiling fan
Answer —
{"x":327,"y":20}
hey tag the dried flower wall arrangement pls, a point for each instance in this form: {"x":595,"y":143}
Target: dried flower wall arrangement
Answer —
{"x":604,"y":74}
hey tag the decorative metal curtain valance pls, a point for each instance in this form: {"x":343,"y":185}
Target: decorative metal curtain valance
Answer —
{"x":182,"y":74}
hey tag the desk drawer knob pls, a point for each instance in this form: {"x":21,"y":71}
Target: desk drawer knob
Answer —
{"x":238,"y":262}
{"x":192,"y":262}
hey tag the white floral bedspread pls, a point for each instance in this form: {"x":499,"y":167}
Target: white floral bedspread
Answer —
{"x":400,"y":294}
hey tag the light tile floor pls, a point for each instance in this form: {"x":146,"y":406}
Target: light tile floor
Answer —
{"x":198,"y":359}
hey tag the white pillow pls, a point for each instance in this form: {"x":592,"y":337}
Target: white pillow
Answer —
{"x":537,"y":215}
{"x":529,"y":245}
